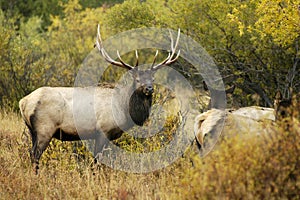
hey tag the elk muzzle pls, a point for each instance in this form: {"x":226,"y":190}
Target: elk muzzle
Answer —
{"x":148,"y":90}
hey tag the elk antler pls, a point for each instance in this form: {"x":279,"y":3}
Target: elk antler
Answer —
{"x":170,"y":58}
{"x":108,"y":58}
{"x":122,"y":64}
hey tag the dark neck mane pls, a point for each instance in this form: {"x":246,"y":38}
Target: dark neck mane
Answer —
{"x":139,"y":107}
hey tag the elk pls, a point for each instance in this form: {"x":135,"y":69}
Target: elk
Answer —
{"x":246,"y":120}
{"x":49,"y":112}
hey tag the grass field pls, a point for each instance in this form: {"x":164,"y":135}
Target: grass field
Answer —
{"x":242,"y":167}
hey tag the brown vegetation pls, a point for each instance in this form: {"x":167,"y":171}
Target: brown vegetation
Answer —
{"x":240,"y":167}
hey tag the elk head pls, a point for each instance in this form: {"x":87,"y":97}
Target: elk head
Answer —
{"x":143,"y":79}
{"x":141,"y":99}
{"x":282,"y":107}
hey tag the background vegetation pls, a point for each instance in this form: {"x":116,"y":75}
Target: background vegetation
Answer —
{"x":255,"y":44}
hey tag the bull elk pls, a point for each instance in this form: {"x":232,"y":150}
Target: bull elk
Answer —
{"x":48,"y":112}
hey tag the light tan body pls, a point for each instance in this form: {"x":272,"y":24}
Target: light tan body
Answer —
{"x":248,"y":120}
{"x":100,"y":113}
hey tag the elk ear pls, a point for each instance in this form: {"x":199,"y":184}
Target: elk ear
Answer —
{"x":278,"y":98}
{"x":290,"y":92}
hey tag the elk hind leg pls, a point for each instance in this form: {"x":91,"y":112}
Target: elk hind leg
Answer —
{"x":41,"y":142}
{"x":33,"y":142}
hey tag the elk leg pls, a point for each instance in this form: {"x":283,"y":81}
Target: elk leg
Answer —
{"x":37,"y":150}
{"x":33,"y":150}
{"x":33,"y":142}
{"x":41,"y":141}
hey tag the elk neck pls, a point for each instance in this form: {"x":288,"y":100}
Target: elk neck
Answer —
{"x":140,"y":106}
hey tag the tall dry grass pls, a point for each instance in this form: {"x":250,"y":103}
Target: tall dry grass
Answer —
{"x":241,"y":167}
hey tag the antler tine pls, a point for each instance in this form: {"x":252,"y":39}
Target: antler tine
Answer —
{"x":123,"y":63}
{"x":105,"y":54}
{"x":173,"y":48}
{"x":172,"y":40}
{"x":101,"y":49}
{"x":170,"y":58}
{"x":162,"y":63}
{"x":177,"y":40}
{"x":153,"y":63}
{"x":137,"y":59}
